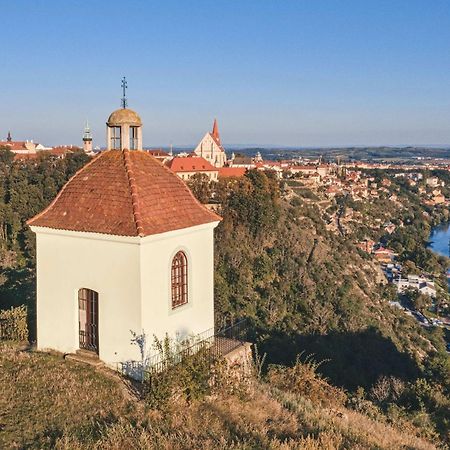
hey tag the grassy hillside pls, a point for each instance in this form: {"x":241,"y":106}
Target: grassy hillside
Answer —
{"x":303,"y":287}
{"x":308,"y":289}
{"x":47,"y":402}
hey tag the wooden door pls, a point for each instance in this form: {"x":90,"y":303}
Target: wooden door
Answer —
{"x":88,"y":319}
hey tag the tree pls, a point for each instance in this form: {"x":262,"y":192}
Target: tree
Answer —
{"x":200,"y":186}
{"x":6,"y":156}
{"x":422,"y":302}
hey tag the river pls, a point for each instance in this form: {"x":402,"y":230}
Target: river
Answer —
{"x":440,"y":239}
{"x":439,"y":242}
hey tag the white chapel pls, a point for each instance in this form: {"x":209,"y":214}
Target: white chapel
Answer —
{"x":124,"y":248}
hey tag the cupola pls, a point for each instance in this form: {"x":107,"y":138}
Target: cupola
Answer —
{"x":124,"y":127}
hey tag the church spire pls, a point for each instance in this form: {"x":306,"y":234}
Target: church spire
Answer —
{"x":9,"y":138}
{"x":215,"y":131}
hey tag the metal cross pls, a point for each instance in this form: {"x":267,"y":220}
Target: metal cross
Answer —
{"x":124,"y":87}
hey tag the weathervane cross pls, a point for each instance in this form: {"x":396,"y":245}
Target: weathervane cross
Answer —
{"x":124,"y":88}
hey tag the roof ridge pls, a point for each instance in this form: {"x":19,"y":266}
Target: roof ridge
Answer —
{"x":29,"y":221}
{"x":134,"y":195}
{"x":217,"y":142}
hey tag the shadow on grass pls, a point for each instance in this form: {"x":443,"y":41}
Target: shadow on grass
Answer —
{"x":353,"y":359}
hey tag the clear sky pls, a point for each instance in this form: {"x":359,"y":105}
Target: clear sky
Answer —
{"x":282,"y":72}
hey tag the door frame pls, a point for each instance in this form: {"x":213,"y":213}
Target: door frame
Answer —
{"x":88,"y":335}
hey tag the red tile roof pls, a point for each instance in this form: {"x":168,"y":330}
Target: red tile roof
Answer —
{"x":157,"y":153}
{"x":58,"y":151}
{"x":191,"y":164}
{"x":14,"y":145}
{"x":226,"y":172}
{"x":126,"y":193}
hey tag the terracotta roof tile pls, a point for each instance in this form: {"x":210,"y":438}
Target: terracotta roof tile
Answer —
{"x":226,"y":172}
{"x":127,"y":193}
{"x":191,"y":164}
{"x":14,"y":145}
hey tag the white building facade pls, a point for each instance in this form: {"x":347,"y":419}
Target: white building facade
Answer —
{"x":211,"y":148}
{"x":124,"y":250}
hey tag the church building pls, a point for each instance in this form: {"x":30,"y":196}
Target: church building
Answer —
{"x":211,"y":149}
{"x":124,"y":249}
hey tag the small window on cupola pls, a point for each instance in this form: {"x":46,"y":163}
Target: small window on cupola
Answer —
{"x":116,"y":138}
{"x":134,"y":138}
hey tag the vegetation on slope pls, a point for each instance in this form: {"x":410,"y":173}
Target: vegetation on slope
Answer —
{"x":308,"y":289}
{"x":304,"y":288}
{"x":47,"y":402}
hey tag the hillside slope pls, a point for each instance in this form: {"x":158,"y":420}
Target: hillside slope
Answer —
{"x":47,"y":402}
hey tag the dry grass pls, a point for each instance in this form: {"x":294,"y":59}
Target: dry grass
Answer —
{"x":47,"y":402}
{"x":43,"y":396}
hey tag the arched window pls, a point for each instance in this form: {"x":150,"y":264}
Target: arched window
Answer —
{"x":179,"y":280}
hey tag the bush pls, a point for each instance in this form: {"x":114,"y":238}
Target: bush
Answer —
{"x":303,"y":379}
{"x":13,"y":324}
{"x":184,"y":376}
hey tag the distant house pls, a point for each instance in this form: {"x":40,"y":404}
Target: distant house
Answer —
{"x":389,"y":227}
{"x":186,"y":167}
{"x":433,"y":182}
{"x":323,"y":170}
{"x":160,"y":155}
{"x":306,"y":169}
{"x":367,"y":245}
{"x":384,"y":255}
{"x":422,"y":284}
{"x":331,"y":191}
{"x":245,"y":162}
{"x":438,"y":199}
{"x":22,"y":147}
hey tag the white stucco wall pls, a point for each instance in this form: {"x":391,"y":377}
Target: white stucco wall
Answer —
{"x":208,"y":149}
{"x":68,"y":261}
{"x":197,"y":316}
{"x":212,"y":175}
{"x":132,"y":278}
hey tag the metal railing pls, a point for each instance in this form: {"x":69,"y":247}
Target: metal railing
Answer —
{"x":214,"y":345}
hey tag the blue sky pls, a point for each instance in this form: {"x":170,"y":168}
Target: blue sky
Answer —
{"x":291,"y":73}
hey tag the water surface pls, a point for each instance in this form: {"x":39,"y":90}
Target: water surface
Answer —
{"x":439,"y":239}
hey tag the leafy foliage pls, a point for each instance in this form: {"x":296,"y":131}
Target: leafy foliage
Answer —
{"x":13,"y":324}
{"x":26,"y":187}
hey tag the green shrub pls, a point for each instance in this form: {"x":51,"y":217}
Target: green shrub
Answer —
{"x":184,"y":376}
{"x":13,"y":324}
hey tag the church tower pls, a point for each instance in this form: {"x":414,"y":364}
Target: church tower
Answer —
{"x":87,"y":139}
{"x":124,"y":127}
{"x":211,"y":148}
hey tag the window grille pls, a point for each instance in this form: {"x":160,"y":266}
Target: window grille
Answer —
{"x":179,"y":280}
